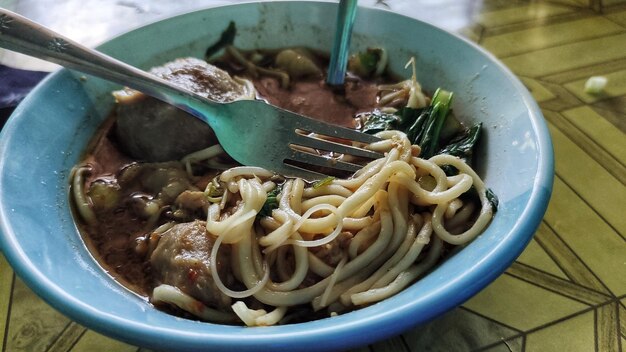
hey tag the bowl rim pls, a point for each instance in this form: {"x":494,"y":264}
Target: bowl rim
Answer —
{"x":334,"y":331}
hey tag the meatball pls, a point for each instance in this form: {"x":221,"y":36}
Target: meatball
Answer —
{"x":154,"y":131}
{"x":182,"y":259}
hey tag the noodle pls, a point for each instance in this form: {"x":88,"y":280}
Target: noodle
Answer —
{"x":380,"y":258}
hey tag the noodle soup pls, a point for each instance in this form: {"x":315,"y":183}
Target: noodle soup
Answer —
{"x":171,"y":217}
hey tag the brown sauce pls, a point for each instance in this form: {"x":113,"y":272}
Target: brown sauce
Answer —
{"x":313,"y":98}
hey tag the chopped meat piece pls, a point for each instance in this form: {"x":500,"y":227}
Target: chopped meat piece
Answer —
{"x":192,"y":200}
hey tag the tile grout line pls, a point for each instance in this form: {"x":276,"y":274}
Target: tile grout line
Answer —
{"x":59,"y":336}
{"x":554,"y":322}
{"x":561,"y":123}
{"x":608,"y":325}
{"x":547,"y":74}
{"x":8,"y":316}
{"x":580,"y":73}
{"x":572,"y":269}
{"x":581,"y":261}
{"x":549,"y":290}
{"x":71,"y":347}
{"x":532,"y":23}
{"x":595,"y":211}
{"x":518,"y":331}
{"x":574,"y":126}
{"x":595,"y":330}
{"x":553,"y":275}
{"x":556,"y":46}
{"x":604,"y":15}
{"x":574,"y":10}
{"x":405,"y":343}
{"x":622,"y":307}
{"x":618,"y":326}
{"x":554,"y":290}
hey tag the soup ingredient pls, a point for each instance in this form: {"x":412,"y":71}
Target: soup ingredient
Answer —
{"x":298,"y":63}
{"x":154,"y":131}
{"x":226,"y":38}
{"x":370,"y":63}
{"x":422,"y":126}
{"x":428,"y":136}
{"x":182,"y":259}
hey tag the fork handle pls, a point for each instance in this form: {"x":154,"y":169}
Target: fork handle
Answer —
{"x":22,"y":35}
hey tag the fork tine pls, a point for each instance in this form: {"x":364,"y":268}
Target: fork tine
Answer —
{"x":301,"y":172}
{"x":330,"y":146}
{"x":324,"y":162}
{"x":314,"y":126}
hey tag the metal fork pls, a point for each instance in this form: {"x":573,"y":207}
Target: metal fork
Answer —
{"x":252,"y":132}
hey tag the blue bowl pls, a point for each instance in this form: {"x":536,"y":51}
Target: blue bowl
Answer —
{"x":49,"y":131}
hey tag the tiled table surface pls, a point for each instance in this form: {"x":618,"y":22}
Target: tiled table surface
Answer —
{"x":567,"y":291}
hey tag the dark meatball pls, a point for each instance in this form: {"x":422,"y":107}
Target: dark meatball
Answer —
{"x":153,"y":131}
{"x":182,"y":259}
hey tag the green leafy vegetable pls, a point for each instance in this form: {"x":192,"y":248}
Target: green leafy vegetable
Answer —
{"x":493,"y":199}
{"x":403,"y":120}
{"x":378,"y":121}
{"x":435,"y":130}
{"x":371,"y":62}
{"x":417,"y":117}
{"x":323,"y":182}
{"x":271,"y":202}
{"x":463,"y":144}
{"x":428,"y":138}
{"x":227,"y":38}
{"x":472,"y":196}
{"x":422,"y":126}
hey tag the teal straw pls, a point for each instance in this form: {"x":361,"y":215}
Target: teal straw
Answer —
{"x":341,"y":44}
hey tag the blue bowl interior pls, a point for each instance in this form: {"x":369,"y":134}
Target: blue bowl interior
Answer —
{"x":48,"y":132}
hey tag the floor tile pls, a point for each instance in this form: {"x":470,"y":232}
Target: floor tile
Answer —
{"x":6,"y":284}
{"x":600,"y":130}
{"x":574,"y":334}
{"x":394,"y":344}
{"x":563,"y":287}
{"x":622,"y":318}
{"x":580,"y":3}
{"x":92,"y":341}
{"x":457,"y":330}
{"x":521,"y":305}
{"x":516,"y":14}
{"x":609,"y":3}
{"x":586,"y":144}
{"x":33,"y":325}
{"x":617,"y":16}
{"x":512,"y":345}
{"x":607,"y":328}
{"x":575,"y":269}
{"x":597,"y":244}
{"x":541,"y":37}
{"x":597,"y":187}
{"x":568,"y":57}
{"x":536,"y":257}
